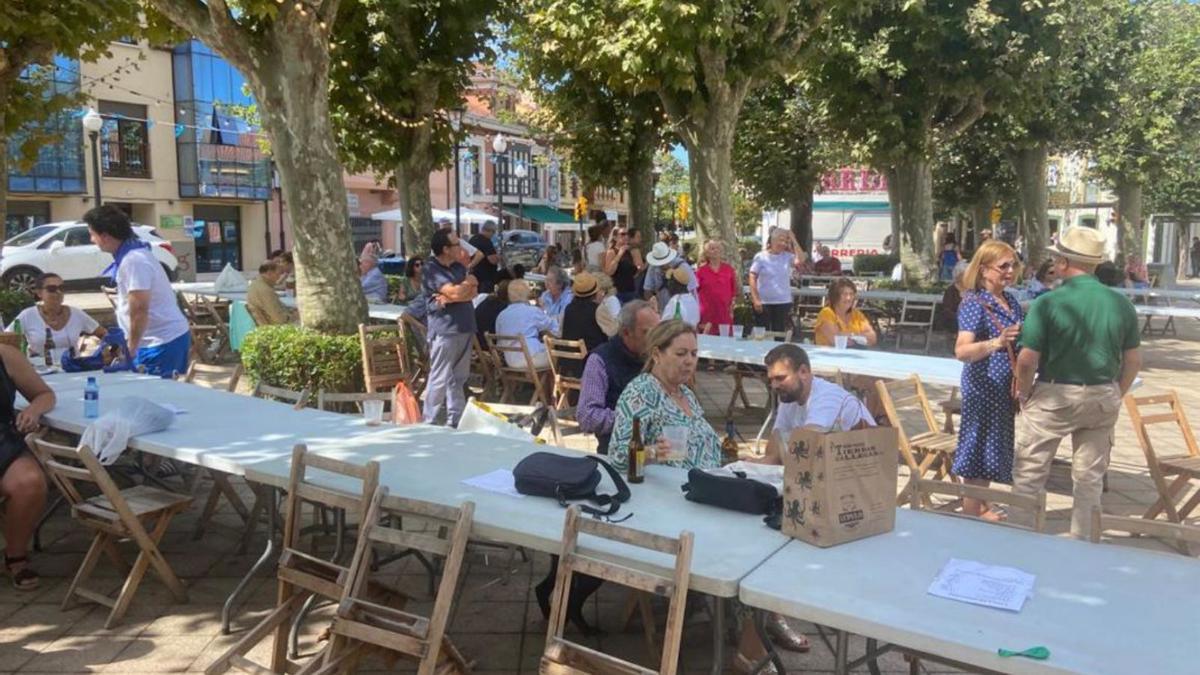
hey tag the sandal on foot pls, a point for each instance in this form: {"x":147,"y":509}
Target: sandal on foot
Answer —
{"x":23,"y":579}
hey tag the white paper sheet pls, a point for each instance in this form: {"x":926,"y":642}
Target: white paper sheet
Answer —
{"x":500,"y":480}
{"x":982,"y":584}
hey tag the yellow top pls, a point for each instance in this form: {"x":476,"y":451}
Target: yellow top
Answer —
{"x":858,"y":323}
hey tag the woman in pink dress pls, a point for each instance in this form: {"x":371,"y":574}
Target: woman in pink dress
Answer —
{"x":718,"y":288}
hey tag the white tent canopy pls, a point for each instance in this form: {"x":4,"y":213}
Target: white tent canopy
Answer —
{"x":467,"y":216}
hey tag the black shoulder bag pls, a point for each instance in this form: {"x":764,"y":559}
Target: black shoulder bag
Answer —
{"x":736,"y":492}
{"x":566,"y":478}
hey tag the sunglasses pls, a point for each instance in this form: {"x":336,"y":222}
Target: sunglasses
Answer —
{"x":52,"y":289}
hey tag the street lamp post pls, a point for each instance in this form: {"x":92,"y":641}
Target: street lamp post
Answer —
{"x":521,"y":171}
{"x":656,"y":172}
{"x":500,"y":145}
{"x":92,"y":122}
{"x":456,"y":119}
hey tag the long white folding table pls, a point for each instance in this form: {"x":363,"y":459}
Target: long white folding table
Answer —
{"x":885,"y":365}
{"x":1099,"y":608}
{"x":381,"y":312}
{"x":254,"y":438}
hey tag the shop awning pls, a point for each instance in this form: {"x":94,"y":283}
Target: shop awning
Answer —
{"x":538,"y":213}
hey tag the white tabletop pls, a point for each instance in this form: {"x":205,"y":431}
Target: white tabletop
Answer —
{"x":382,"y":312}
{"x":252,"y":437}
{"x":429,"y":463}
{"x":881,"y":295}
{"x":886,"y":365}
{"x":1164,"y":293}
{"x":1167,"y":310}
{"x":1099,"y":608}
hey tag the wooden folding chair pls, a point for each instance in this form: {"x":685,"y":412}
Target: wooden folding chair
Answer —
{"x":562,"y":656}
{"x":141,"y":513}
{"x":483,"y":364}
{"x":298,"y":399}
{"x":384,"y":356}
{"x":217,"y":373}
{"x":341,"y":402}
{"x":1181,"y":470}
{"x":361,"y":622}
{"x":916,"y":317}
{"x":300,"y":574}
{"x":512,"y":377}
{"x":567,"y":358}
{"x":921,"y":491}
{"x":951,"y":407}
{"x":927,"y":449}
{"x":742,"y":371}
{"x":1181,"y":536}
{"x":418,"y":345}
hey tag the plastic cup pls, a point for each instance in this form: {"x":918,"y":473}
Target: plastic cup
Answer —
{"x":760,"y":332}
{"x":677,"y":438}
{"x":841,"y":341}
{"x":725,"y":330}
{"x":738,"y":331}
{"x":373,"y":412}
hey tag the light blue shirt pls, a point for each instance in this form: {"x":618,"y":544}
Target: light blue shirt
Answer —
{"x":555,"y":309}
{"x":527,"y":320}
{"x":375,"y":286}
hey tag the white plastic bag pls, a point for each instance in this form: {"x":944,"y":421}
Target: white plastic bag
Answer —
{"x":478,"y":418}
{"x":771,"y":474}
{"x":230,"y":280}
{"x":132,"y":416}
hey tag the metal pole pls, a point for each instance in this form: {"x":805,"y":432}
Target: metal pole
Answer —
{"x":457,"y":191}
{"x":96,"y":163}
{"x":499,"y":200}
{"x":521,"y":200}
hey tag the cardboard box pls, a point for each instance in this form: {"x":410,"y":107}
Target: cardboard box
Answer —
{"x":839,"y":487}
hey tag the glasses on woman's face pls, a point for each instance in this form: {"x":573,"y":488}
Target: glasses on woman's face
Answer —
{"x":622,"y":234}
{"x":52,"y":288}
{"x":1005,"y":267}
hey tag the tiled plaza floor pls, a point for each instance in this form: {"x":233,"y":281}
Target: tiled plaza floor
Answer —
{"x":495,"y":622}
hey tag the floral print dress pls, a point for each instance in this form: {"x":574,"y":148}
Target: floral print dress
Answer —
{"x":645,"y":399}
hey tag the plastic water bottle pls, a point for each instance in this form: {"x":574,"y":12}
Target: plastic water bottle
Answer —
{"x":91,"y":399}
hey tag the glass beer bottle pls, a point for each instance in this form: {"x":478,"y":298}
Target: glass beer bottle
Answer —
{"x":637,"y":454}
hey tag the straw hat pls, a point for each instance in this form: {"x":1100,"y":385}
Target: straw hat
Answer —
{"x":585,"y":285}
{"x":661,"y":255}
{"x":1081,"y":244}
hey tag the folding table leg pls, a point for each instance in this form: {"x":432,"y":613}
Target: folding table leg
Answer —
{"x":841,"y":654}
{"x":268,"y":552}
{"x":772,"y":656}
{"x":718,"y":624}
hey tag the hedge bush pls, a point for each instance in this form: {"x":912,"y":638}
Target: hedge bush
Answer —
{"x":294,"y":357}
{"x":12,"y":302}
{"x":864,"y":264}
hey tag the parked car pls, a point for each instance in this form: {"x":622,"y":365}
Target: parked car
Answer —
{"x":522,"y":247}
{"x":66,"y":249}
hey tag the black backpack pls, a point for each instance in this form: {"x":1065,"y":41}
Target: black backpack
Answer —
{"x":566,"y":478}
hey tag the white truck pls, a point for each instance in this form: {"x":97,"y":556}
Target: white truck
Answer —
{"x":849,"y":224}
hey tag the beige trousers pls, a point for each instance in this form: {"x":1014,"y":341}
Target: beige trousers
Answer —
{"x":1088,"y":415}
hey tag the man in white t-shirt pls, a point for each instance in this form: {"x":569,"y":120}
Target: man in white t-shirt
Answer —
{"x":155,"y":329}
{"x":808,"y":402}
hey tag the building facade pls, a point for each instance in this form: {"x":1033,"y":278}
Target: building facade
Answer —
{"x":171,"y":153}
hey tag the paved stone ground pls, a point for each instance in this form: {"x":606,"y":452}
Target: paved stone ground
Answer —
{"x":495,"y":621}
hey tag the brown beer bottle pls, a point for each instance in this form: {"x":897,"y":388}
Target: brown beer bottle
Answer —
{"x":729,"y":446}
{"x":637,"y":454}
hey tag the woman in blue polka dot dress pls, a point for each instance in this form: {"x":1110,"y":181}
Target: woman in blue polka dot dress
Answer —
{"x":989,"y":320}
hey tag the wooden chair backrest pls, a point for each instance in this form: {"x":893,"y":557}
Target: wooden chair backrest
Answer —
{"x":897,"y":395}
{"x":1135,"y":405}
{"x":1177,"y":533}
{"x":572,"y":561}
{"x":69,"y":468}
{"x":514,"y":344}
{"x":419,"y":335}
{"x":197,"y":368}
{"x":383,"y":524}
{"x":921,"y":489}
{"x":301,"y":489}
{"x":334,"y":401}
{"x":298,"y":399}
{"x":384,"y":356}
{"x":566,"y":350}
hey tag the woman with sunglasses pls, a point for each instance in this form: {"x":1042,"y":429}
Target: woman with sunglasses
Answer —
{"x":989,"y":322}
{"x":622,"y":262}
{"x":66,"y":323}
{"x":410,"y":283}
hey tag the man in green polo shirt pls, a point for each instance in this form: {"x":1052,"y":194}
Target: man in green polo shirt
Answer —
{"x":1082,"y":342}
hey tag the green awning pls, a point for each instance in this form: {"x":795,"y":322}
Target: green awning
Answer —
{"x":538,"y":213}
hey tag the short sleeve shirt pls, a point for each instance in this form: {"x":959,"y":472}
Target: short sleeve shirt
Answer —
{"x":1081,"y":331}
{"x":455,"y":317}
{"x":828,"y":407}
{"x":774,"y":272}
{"x":857,"y":323}
{"x":34,"y":328}
{"x":141,"y":271}
{"x":485,"y":270}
